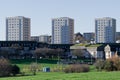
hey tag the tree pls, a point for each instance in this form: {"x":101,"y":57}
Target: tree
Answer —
{"x":78,"y":52}
{"x":33,"y":68}
{"x":51,"y":53}
{"x":59,"y":53}
{"x":41,"y":52}
{"x":5,"y":67}
{"x":48,"y":53}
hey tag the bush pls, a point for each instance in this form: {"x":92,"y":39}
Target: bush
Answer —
{"x":116,"y":62}
{"x":15,"y":70}
{"x":112,"y":64}
{"x":5,"y":67}
{"x":109,"y":66}
{"x":99,"y":64}
{"x":76,"y":68}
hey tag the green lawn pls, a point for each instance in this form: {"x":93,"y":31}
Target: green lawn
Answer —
{"x":69,"y":76}
{"x":25,"y":64}
{"x":92,"y":75}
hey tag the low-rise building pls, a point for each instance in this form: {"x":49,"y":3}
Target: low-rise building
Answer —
{"x":35,"y":38}
{"x":89,"y":36}
{"x":99,"y":51}
{"x":41,"y":38}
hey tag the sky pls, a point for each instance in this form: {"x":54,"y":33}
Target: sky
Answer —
{"x":41,"y":12}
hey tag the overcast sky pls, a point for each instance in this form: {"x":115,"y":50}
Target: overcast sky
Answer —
{"x":41,"y":12}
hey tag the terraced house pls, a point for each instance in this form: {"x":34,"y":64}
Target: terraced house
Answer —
{"x":98,"y":51}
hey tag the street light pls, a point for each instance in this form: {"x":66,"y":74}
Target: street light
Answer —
{"x":91,"y":58}
{"x":36,"y":58}
{"x":36,"y":55}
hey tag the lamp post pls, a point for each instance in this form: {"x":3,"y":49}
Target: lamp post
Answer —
{"x":36,"y":58}
{"x":91,"y":59}
{"x":36,"y":55}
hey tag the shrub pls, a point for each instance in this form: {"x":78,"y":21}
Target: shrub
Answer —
{"x":112,"y":64}
{"x":116,"y":61}
{"x":58,"y":68}
{"x":76,"y":68}
{"x":99,"y":64}
{"x":5,"y":67}
{"x":15,"y":70}
{"x":109,"y":66}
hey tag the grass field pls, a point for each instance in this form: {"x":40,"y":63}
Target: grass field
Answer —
{"x":70,"y":76}
{"x":25,"y":64}
{"x":92,"y":75}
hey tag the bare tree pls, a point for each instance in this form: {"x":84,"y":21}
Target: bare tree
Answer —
{"x":41,"y":52}
{"x":48,"y":53}
{"x":78,"y":52}
{"x":55,"y":52}
{"x":59,"y":51}
{"x":5,"y":67}
{"x":33,"y":68}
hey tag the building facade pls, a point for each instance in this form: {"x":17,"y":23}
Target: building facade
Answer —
{"x":89,"y":36}
{"x":18,"y":28}
{"x":78,"y":38}
{"x":44,"y":38}
{"x":26,"y":49}
{"x":62,"y":30}
{"x":99,"y":51}
{"x":41,"y":38}
{"x":35,"y":38}
{"x":105,"y":30}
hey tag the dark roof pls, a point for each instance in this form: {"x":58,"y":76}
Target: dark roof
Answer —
{"x":78,"y":34}
{"x":113,"y":46}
